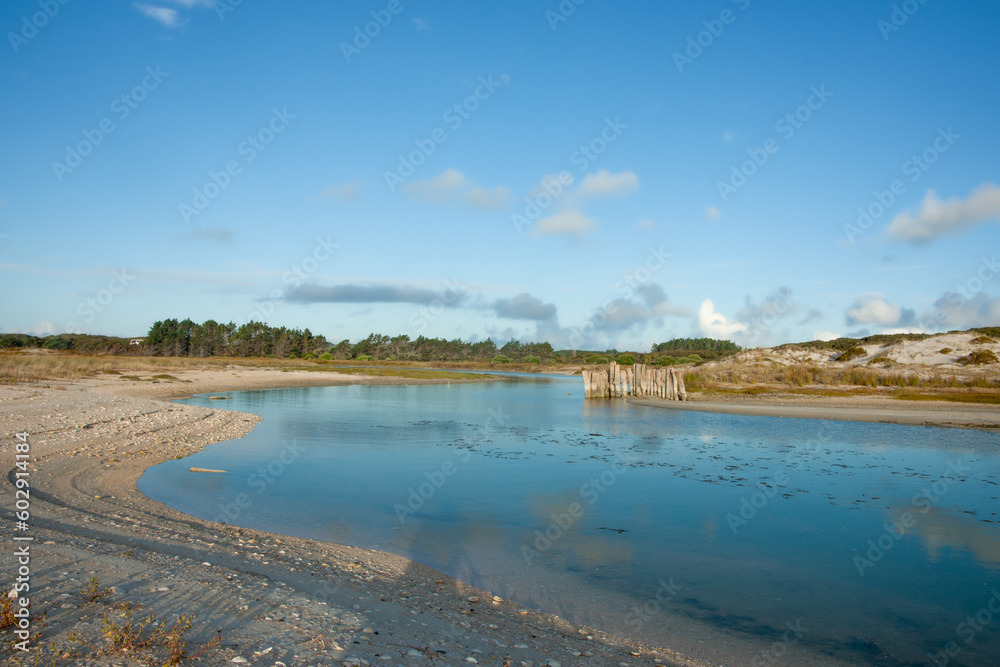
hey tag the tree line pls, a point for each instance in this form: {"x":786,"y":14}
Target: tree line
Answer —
{"x":186,"y":338}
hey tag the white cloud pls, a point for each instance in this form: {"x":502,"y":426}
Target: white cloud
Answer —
{"x":348,"y":192}
{"x":716,"y":325}
{"x":167,"y":17}
{"x":422,"y":24}
{"x":45,"y":329}
{"x":826,"y":335}
{"x":480,"y":197}
{"x":452,"y":186}
{"x":437,"y":189}
{"x":712,"y":213}
{"x":876,"y":310}
{"x":645,"y":223}
{"x":935,"y":218}
{"x":566,"y":223}
{"x":958,"y":312}
{"x":606,"y":184}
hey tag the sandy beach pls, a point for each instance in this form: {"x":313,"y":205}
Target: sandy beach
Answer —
{"x":843,"y":408}
{"x":273,"y":600}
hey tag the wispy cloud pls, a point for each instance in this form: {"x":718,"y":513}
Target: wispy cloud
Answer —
{"x":564,"y":223}
{"x":348,"y":192}
{"x":168,"y":18}
{"x":217,"y":235}
{"x":352,"y":293}
{"x":606,"y":184}
{"x":569,"y":219}
{"x":452,"y":186}
{"x":712,"y":213}
{"x":524,"y":307}
{"x":935,"y":218}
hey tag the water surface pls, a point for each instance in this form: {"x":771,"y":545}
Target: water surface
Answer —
{"x":855,"y":542}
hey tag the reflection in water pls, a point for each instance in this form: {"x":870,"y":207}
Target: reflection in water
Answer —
{"x":609,"y":499}
{"x":943,"y":528}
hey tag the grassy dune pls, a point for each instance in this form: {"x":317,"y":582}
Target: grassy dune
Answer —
{"x":17,"y":367}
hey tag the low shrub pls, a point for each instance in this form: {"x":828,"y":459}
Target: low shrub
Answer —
{"x":855,"y":352}
{"x":979,"y":358}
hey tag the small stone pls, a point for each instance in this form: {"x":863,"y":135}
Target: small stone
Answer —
{"x":472,"y":660}
{"x":474,"y":598}
{"x":239,"y":660}
{"x":414,"y":652}
{"x":369,"y":631}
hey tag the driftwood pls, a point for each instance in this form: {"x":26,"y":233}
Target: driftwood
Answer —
{"x":638,"y":380}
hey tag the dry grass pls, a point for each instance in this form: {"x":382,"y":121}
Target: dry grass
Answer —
{"x":40,"y":366}
{"x":754,"y":378}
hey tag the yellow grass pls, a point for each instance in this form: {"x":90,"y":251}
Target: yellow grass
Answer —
{"x":749,"y":377}
{"x":39,"y":366}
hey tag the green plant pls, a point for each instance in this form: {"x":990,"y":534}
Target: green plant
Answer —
{"x":500,"y":359}
{"x":625,"y":359}
{"x":532,"y":359}
{"x":982,"y":340}
{"x":666,"y":361}
{"x":945,"y":350}
{"x":596,"y":359}
{"x":364,"y":357}
{"x":852,"y":353}
{"x":979,"y":358}
{"x":326,"y":356}
{"x":93,"y":592}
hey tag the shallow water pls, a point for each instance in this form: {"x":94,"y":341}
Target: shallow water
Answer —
{"x":858,"y":542}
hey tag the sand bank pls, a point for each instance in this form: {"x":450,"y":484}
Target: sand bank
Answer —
{"x":274,"y":599}
{"x":844,"y":408}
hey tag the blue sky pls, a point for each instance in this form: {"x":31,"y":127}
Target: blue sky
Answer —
{"x":595,"y":174}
